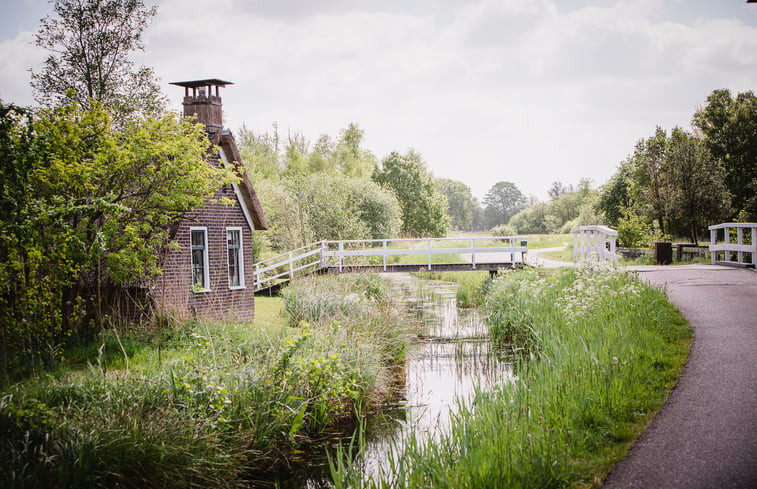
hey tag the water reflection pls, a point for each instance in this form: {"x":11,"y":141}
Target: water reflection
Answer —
{"x":452,"y":360}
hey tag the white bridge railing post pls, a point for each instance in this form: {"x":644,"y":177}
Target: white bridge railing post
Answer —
{"x":384,"y":243}
{"x":739,"y":248}
{"x":599,"y":241}
{"x":429,"y":254}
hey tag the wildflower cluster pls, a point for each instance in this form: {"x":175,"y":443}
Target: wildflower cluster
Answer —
{"x":594,"y":286}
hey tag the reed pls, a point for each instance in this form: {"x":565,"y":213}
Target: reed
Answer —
{"x":599,"y":354}
{"x":224,"y":406}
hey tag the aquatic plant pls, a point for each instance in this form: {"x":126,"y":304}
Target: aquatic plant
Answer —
{"x":601,"y":352}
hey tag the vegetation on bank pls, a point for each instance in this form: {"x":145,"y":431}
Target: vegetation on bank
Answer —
{"x":217,"y":405}
{"x":599,"y":352}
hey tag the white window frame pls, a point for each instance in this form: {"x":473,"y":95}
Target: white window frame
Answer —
{"x":206,"y":259}
{"x":240,"y":258}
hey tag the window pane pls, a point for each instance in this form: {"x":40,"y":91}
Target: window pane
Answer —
{"x":198,"y":239}
{"x":198,"y":259}
{"x":233,"y":239}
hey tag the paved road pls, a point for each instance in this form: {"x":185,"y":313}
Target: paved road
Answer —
{"x":706,"y":434}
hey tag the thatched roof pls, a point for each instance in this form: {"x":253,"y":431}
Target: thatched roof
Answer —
{"x":248,"y":194}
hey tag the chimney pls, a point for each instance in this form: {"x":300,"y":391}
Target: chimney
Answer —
{"x":202,"y":103}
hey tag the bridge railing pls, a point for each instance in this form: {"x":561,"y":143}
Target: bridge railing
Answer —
{"x":599,"y":241}
{"x":283,"y":267}
{"x":339,"y":253}
{"x":741,"y":248}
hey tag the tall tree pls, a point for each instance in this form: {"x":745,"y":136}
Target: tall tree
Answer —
{"x":424,"y":209}
{"x":557,"y":189}
{"x":615,"y":196}
{"x":730,"y":128}
{"x":694,"y":186}
{"x":502,"y":202}
{"x":90,"y":42}
{"x":649,"y":160}
{"x":350,"y":158}
{"x":460,"y":203}
{"x":260,"y":153}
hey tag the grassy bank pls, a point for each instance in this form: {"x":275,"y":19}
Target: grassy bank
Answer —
{"x":599,"y":354}
{"x":219,"y":405}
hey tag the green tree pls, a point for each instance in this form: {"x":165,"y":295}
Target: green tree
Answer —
{"x":501,"y":202}
{"x":423,"y":207}
{"x":460,"y":203}
{"x":730,"y":128}
{"x":350,"y":158}
{"x":86,"y":206}
{"x":557,"y":189}
{"x":695,"y":188}
{"x":615,"y":196}
{"x":531,"y":220}
{"x":90,"y":43}
{"x":649,"y":162}
{"x":260,"y":153}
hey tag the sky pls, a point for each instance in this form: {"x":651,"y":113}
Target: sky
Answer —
{"x":525,"y":91}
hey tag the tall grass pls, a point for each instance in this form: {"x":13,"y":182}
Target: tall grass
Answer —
{"x":600,"y":352}
{"x":226,"y":406}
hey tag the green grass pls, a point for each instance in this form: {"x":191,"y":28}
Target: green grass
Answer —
{"x":218,"y":405}
{"x":599,"y":353}
{"x":536,"y":241}
{"x":471,"y":288}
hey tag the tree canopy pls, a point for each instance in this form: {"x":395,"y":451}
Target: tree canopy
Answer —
{"x":501,"y":202}
{"x":84,"y":205}
{"x":424,"y":209}
{"x":461,"y":205}
{"x":673,"y":180}
{"x":729,"y":126}
{"x":90,"y":42}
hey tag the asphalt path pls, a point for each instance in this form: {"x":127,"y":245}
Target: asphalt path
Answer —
{"x":705,"y":436}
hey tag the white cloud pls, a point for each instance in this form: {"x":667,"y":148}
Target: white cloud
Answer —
{"x":17,"y":57}
{"x":526,"y":91}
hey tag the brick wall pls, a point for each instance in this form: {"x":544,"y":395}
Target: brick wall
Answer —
{"x":173,"y":292}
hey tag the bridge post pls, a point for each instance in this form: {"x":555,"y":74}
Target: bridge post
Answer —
{"x":323,"y":253}
{"x":473,"y":252}
{"x":384,"y":255}
{"x":429,"y":254}
{"x":341,"y":256}
{"x":291,"y":267}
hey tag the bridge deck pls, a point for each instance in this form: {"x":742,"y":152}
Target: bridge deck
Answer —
{"x":422,"y":267}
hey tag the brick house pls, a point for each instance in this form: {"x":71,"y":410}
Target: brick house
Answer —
{"x":210,"y":274}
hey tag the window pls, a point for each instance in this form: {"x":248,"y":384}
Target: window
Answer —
{"x":236,"y":257}
{"x":200,"y":270}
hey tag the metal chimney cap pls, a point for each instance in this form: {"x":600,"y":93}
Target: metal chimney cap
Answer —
{"x":202,"y":83}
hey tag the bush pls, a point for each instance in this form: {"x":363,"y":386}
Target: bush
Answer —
{"x":503,"y":230}
{"x":634,"y":231}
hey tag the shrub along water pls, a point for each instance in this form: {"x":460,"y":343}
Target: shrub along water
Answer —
{"x":600,"y":352}
{"x":225,"y":403}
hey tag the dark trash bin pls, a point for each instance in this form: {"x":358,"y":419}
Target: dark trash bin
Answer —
{"x":663,"y":253}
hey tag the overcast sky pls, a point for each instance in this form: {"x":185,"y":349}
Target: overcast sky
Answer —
{"x":527,"y":91}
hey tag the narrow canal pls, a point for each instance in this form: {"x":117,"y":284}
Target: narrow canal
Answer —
{"x":451,"y":359}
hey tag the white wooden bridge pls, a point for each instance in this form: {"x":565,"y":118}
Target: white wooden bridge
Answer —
{"x":479,"y":253}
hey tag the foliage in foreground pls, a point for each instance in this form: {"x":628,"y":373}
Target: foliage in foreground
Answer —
{"x":225,"y":404}
{"x":83,"y":206}
{"x":600,"y":353}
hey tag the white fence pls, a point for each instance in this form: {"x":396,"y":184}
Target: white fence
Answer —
{"x":341,"y":251}
{"x":739,"y":248}
{"x":356,"y":253}
{"x":594,"y":241}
